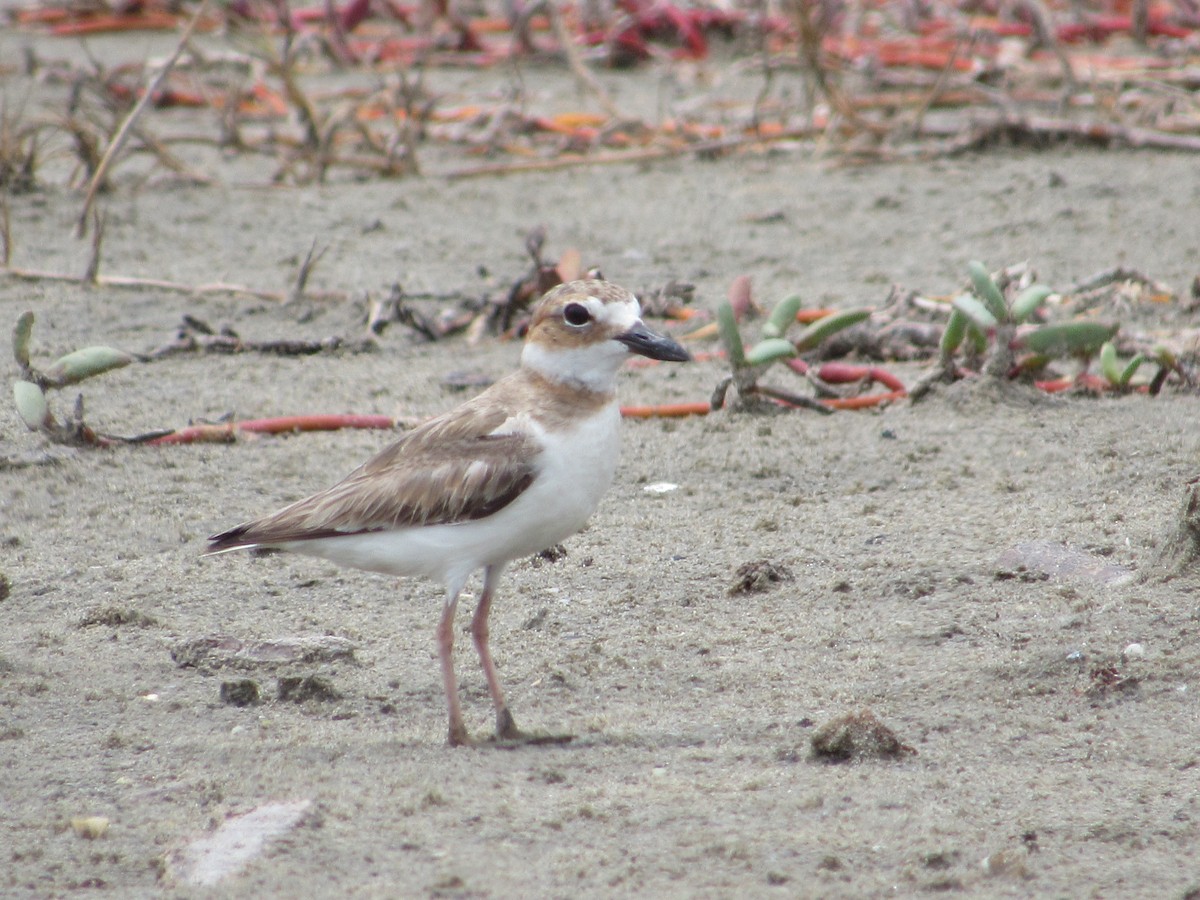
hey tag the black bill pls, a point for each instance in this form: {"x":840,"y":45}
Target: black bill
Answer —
{"x":642,"y":340}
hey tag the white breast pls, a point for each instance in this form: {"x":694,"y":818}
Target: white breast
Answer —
{"x":575,"y":470}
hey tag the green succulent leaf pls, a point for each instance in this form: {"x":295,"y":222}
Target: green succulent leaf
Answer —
{"x":987,"y":290}
{"x":829,"y":325}
{"x":1131,"y":369}
{"x":770,"y":349}
{"x":730,"y":336}
{"x":975,"y":311}
{"x":782,"y":316}
{"x":85,"y":363}
{"x":1028,"y":301}
{"x":1068,"y":338}
{"x":31,"y":405}
{"x":956,"y":330}
{"x":1110,"y":366}
{"x":20,"y":339}
{"x":978,"y":338}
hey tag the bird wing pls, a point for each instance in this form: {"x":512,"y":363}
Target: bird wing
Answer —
{"x":467,"y":464}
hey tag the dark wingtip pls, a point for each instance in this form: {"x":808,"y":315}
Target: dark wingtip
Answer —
{"x":228,"y":540}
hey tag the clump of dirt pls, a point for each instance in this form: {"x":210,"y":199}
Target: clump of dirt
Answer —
{"x":241,"y":693}
{"x":857,"y":736}
{"x":759,"y":576}
{"x":117,"y":617}
{"x":301,"y":689}
{"x":1182,"y":549}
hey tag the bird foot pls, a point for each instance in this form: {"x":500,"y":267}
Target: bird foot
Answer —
{"x":507,"y":736}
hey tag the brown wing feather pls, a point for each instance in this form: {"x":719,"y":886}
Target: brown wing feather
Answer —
{"x":406,"y":483}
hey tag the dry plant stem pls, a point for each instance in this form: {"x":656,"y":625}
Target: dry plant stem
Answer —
{"x":93,"y":268}
{"x":123,"y":132}
{"x":158,"y":284}
{"x":812,"y":33}
{"x":1109,"y":276}
{"x":1140,"y":18}
{"x":762,"y":51}
{"x":793,"y":399}
{"x":310,"y":261}
{"x":984,"y":132}
{"x":939,"y":84}
{"x":170,"y":161}
{"x":583,"y":75}
{"x":228,"y":344}
{"x":1002,"y":360}
{"x":1045,"y":36}
{"x":284,"y":66}
{"x":5,"y":232}
{"x":338,"y":45}
{"x":705,"y":148}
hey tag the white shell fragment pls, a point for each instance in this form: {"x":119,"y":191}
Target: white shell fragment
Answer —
{"x":660,"y":487}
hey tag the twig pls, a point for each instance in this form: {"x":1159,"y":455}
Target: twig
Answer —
{"x":793,"y":399}
{"x":310,"y":261}
{"x":1109,"y":276}
{"x":582,"y":73}
{"x":231,"y":343}
{"x":93,"y":267}
{"x":1048,"y":39}
{"x":703,"y":148}
{"x":1045,"y":128}
{"x":123,"y":132}
{"x":159,"y":284}
{"x":939,"y":84}
{"x":5,"y":231}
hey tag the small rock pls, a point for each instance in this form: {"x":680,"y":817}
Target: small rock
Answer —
{"x":213,"y":652}
{"x":1133,"y":650}
{"x":1046,"y":559}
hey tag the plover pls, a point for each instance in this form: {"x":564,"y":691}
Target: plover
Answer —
{"x":515,"y":470}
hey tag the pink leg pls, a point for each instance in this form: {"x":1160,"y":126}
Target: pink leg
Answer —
{"x":445,"y":638}
{"x":505,"y":726}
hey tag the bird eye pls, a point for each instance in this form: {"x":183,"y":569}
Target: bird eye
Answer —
{"x":576,"y":314}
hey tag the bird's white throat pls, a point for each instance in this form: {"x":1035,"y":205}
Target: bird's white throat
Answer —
{"x":593,"y":366}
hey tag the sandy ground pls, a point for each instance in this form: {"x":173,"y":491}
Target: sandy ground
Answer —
{"x":693,"y":707}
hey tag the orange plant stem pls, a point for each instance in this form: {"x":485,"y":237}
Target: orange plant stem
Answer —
{"x":667,"y":410}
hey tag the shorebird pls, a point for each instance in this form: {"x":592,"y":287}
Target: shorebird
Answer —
{"x":515,"y":470}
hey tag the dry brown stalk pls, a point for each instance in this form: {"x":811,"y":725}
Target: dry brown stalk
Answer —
{"x":118,"y":141}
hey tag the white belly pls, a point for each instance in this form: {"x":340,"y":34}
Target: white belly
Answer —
{"x":575,"y":470}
